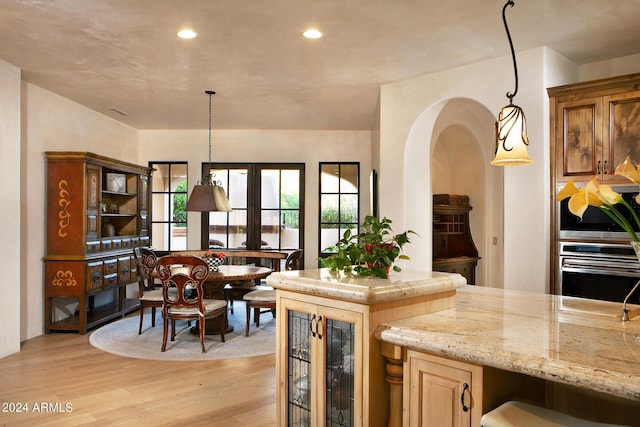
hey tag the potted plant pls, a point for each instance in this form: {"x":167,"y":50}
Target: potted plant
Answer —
{"x":372,"y":252}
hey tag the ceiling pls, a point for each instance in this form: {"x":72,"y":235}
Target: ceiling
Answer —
{"x":125,"y":54}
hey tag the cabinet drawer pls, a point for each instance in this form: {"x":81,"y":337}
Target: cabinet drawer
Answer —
{"x":107,"y":245}
{"x":124,"y":270}
{"x":126,"y":243}
{"x":110,"y":266}
{"x":110,"y":280}
{"x":93,"y":246}
{"x":117,"y":243}
{"x":94,"y":276}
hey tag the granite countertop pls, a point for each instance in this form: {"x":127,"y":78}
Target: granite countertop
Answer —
{"x":365,"y":290}
{"x":569,"y":340}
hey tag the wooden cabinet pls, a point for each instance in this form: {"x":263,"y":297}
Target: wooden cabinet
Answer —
{"x":594,"y":127}
{"x":97,"y":212}
{"x":324,"y":352}
{"x":441,"y":392}
{"x":453,"y":247}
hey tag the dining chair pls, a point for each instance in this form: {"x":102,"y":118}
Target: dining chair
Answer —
{"x":182,"y":292}
{"x":150,"y":296}
{"x":265,"y":297}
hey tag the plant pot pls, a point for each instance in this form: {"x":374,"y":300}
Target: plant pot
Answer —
{"x":213,"y":263}
{"x":369,"y":247}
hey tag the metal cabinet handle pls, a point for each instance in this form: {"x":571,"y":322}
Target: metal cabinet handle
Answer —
{"x":465,"y":387}
{"x":604,"y":168}
{"x":319,"y":327}
{"x":313,"y":319}
{"x":598,"y":168}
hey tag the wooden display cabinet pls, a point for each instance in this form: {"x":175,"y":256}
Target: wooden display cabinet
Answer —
{"x":97,"y":212}
{"x":453,"y":247}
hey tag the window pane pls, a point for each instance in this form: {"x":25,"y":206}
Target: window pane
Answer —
{"x":178,"y":205}
{"x":218,"y":229}
{"x":329,"y":178}
{"x":270,"y":230}
{"x":349,"y":208}
{"x":270,"y":189}
{"x":159,"y":237}
{"x":178,"y":177}
{"x":349,"y":178}
{"x":237,"y":188}
{"x":237,"y":229}
{"x":178,"y":236}
{"x":159,"y":210}
{"x":329,"y":208}
{"x":328,"y":236}
{"x":160,"y":177}
{"x":290,"y":232}
{"x":290,"y":189}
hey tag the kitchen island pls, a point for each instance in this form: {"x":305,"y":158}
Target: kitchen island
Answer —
{"x":570,"y":354}
{"x":329,"y":366}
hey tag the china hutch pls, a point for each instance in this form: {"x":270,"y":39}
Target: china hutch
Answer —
{"x":453,"y":247}
{"x":97,"y":212}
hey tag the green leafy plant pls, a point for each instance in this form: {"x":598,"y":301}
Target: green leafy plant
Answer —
{"x":372,"y":252}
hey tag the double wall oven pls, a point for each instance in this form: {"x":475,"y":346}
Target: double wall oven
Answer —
{"x":595,"y":257}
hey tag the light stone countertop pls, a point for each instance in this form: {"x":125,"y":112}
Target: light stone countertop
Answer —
{"x":365,"y":290}
{"x":569,"y":340}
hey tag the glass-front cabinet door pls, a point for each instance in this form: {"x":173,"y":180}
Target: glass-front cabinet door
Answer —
{"x":324,"y":372}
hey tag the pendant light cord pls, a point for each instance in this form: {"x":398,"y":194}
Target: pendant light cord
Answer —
{"x":210,"y":93}
{"x":513,"y":54}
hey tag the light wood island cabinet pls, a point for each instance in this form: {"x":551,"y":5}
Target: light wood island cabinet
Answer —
{"x":329,"y":368}
{"x":97,"y":212}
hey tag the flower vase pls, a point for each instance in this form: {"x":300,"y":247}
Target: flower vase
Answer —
{"x":214,"y":263}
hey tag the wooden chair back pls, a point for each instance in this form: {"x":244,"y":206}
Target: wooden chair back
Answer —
{"x":183,"y":278}
{"x":146,"y":261}
{"x":294,"y":260}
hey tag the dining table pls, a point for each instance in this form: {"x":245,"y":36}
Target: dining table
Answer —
{"x":215,"y":283}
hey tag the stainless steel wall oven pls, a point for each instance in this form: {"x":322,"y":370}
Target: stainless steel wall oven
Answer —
{"x":602,"y":271}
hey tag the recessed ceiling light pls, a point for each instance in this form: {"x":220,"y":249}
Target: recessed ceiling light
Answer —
{"x":312,"y":33}
{"x":186,"y":34}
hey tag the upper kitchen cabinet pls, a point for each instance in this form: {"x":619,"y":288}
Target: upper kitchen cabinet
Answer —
{"x":594,"y":127}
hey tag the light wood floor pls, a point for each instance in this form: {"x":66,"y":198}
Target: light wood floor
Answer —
{"x":56,"y":370}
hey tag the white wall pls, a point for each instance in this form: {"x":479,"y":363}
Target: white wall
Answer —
{"x":53,"y":123}
{"x":12,"y":170}
{"x":309,"y":147}
{"x":409,"y":110}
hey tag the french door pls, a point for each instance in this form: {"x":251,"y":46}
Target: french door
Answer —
{"x":267,"y":201}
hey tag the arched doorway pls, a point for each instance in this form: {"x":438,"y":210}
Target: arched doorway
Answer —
{"x":455,"y":140}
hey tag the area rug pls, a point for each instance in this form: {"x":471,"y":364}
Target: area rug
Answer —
{"x":121,"y":338}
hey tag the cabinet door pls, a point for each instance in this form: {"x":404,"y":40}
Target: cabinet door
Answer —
{"x":93,"y":200}
{"x":323,"y":366}
{"x":622,"y":130}
{"x":579,"y":146}
{"x":440,"y":392}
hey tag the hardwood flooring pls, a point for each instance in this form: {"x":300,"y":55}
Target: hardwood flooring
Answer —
{"x":60,"y":379}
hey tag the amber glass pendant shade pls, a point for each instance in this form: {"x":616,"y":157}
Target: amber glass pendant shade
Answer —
{"x":511,"y":138}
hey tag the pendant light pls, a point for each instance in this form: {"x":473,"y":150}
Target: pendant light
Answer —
{"x":208,"y":194}
{"x":511,"y":128}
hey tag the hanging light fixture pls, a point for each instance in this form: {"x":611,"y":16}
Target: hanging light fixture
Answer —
{"x":207,"y":194}
{"x":511,"y":128}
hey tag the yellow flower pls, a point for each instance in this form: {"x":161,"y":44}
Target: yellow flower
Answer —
{"x":626,"y":169}
{"x":591,"y":194}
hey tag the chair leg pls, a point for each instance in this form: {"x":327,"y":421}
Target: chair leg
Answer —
{"x":165,"y":327}
{"x":141,"y":317}
{"x":173,"y":329}
{"x":256,"y":316}
{"x":223,"y":324}
{"x":246,"y":330}
{"x":202,"y":320}
{"x":153,"y":317}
